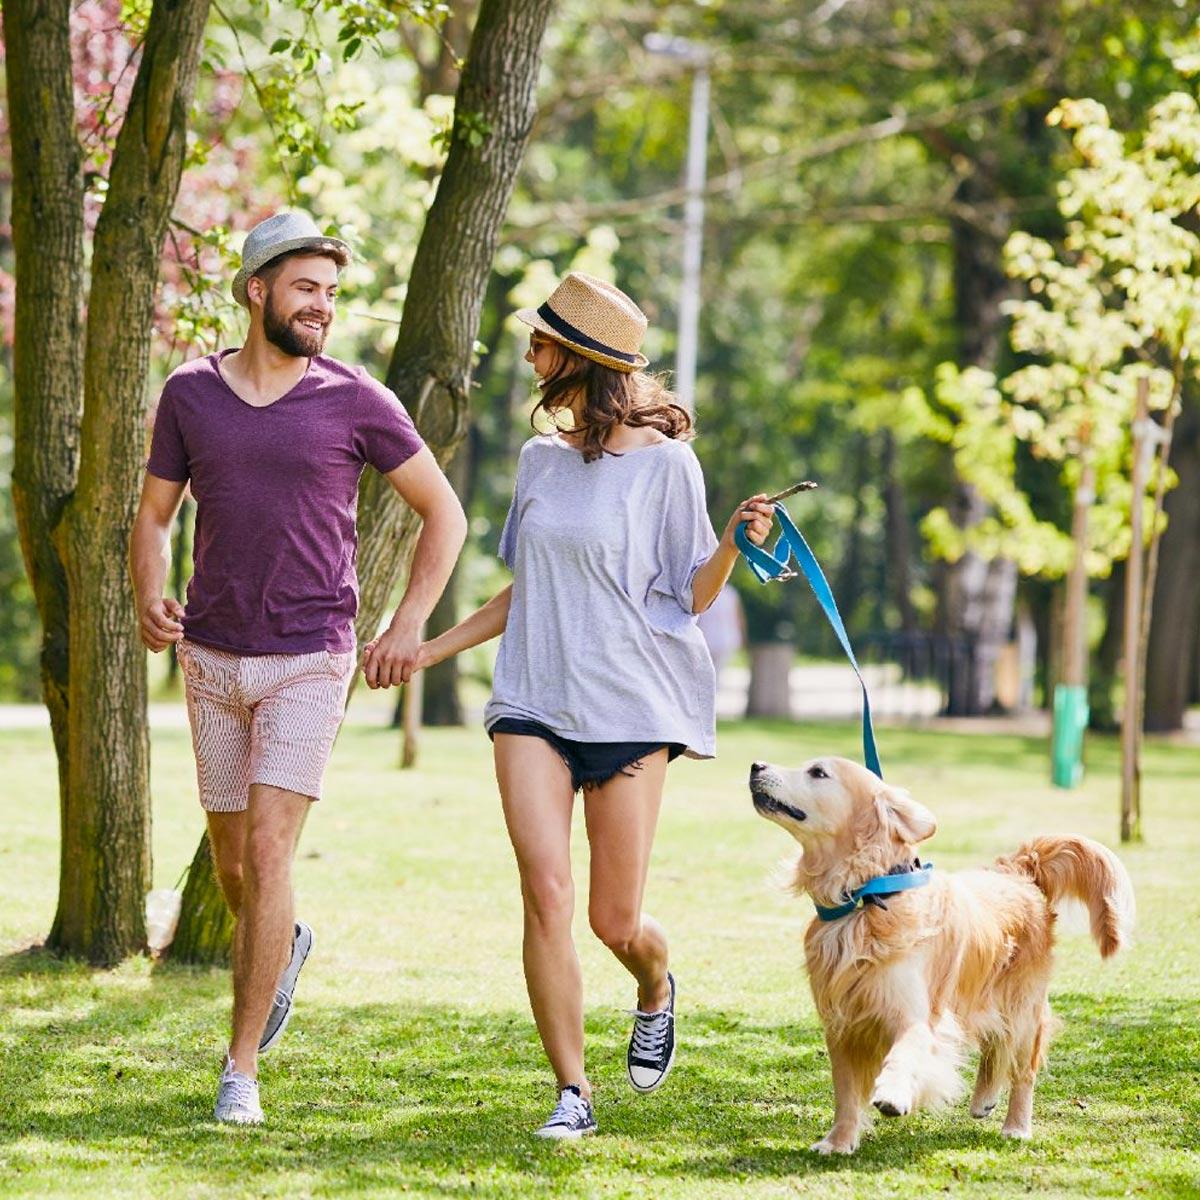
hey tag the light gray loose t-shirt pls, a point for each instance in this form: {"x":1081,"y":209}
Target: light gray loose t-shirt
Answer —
{"x":601,"y":644}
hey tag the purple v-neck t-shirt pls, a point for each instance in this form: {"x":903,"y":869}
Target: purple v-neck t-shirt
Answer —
{"x":276,"y":490}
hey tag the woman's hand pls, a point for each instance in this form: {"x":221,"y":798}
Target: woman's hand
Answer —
{"x":756,"y":514}
{"x":393,"y":657}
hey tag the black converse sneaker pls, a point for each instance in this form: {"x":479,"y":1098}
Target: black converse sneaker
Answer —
{"x":281,"y":1010}
{"x":572,"y":1116}
{"x":652,"y":1046}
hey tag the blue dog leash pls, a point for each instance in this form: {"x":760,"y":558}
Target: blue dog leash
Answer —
{"x":768,"y":565}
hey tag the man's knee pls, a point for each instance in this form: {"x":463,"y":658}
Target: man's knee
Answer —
{"x":268,"y":858}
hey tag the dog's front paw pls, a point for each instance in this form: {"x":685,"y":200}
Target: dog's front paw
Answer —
{"x":893,"y":1100}
{"x":833,"y":1144}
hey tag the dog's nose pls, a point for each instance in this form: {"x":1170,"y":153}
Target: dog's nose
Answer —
{"x":757,"y":768}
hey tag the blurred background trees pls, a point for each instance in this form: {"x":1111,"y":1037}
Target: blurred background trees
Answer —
{"x":868,"y":162}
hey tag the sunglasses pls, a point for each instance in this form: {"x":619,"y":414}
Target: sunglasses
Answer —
{"x":536,"y":342}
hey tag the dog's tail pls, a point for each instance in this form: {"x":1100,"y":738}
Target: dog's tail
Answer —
{"x":1076,"y":868}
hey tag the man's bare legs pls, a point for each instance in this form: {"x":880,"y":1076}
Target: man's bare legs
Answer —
{"x":257,"y":884}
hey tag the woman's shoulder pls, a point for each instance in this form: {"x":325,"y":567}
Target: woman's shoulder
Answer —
{"x":681,"y":453}
{"x":539,"y":443}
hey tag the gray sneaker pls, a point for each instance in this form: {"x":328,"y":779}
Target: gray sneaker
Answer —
{"x":281,"y":1010}
{"x":572,"y":1117}
{"x":237,"y":1098}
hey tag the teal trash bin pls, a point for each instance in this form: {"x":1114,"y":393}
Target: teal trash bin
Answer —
{"x":1066,"y":748}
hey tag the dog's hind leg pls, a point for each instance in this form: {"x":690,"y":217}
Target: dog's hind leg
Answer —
{"x":850,"y":1083}
{"x":989,"y":1082}
{"x":1030,"y":1043}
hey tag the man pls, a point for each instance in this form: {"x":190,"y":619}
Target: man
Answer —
{"x":272,"y":438}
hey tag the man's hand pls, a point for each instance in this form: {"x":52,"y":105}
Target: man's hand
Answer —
{"x":160,"y":624}
{"x":391,"y":658}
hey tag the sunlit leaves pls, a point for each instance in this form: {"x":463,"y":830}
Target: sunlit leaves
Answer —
{"x":1115,"y":304}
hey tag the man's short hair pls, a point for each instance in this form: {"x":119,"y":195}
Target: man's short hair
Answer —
{"x":271,"y":268}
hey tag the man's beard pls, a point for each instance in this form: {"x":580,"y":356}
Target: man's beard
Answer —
{"x":288,"y":335}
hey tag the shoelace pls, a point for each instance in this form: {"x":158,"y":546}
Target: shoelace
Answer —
{"x":569,"y":1110}
{"x":240,"y":1088}
{"x":650,"y":1032}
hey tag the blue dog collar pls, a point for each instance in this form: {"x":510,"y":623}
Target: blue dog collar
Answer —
{"x":881,"y":885}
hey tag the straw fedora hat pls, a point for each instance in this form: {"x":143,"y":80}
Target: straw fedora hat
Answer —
{"x":277,"y":235}
{"x":594,"y":319}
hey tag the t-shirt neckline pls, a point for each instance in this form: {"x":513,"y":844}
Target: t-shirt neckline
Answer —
{"x":558,"y":440}
{"x":220,"y":357}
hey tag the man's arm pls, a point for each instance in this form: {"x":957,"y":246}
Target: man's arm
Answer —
{"x":390,"y":659}
{"x":149,"y":557}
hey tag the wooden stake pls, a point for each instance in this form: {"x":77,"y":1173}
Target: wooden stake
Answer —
{"x":1074,"y":672}
{"x":1131,"y":770}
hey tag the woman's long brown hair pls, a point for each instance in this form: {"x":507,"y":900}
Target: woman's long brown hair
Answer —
{"x":613,"y":398}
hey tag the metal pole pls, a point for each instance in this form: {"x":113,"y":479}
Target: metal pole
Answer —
{"x":693,"y":241}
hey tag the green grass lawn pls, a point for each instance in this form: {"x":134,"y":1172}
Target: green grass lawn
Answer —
{"x":412,"y":1067}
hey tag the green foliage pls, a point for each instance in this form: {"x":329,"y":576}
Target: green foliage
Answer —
{"x":1115,"y":304}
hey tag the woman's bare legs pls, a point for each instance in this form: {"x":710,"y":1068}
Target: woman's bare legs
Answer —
{"x":535,"y":788}
{"x":622,"y":816}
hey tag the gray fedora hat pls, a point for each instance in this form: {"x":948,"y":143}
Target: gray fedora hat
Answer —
{"x":277,"y":235}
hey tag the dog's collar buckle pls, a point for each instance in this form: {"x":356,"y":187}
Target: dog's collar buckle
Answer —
{"x":881,"y":885}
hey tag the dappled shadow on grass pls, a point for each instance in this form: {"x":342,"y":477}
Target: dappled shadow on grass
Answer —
{"x":112,"y":1074}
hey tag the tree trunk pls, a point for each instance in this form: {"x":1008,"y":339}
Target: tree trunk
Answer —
{"x":431,"y":363}
{"x":1102,"y":679}
{"x":770,"y":693}
{"x":440,"y":702}
{"x":1175,"y":627}
{"x":978,"y":597}
{"x":898,"y":534}
{"x":978,"y":603}
{"x":48,"y":236}
{"x":208,"y":934}
{"x":849,"y":583}
{"x":430,"y":368}
{"x":106,"y":843}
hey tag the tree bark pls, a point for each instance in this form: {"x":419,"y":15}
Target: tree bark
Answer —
{"x":431,"y":365}
{"x":898,"y":534}
{"x":440,"y":701}
{"x":978,"y":597}
{"x":207,"y":936}
{"x":48,"y":240}
{"x":1175,"y":625}
{"x":106,"y":828}
{"x":1102,"y":678}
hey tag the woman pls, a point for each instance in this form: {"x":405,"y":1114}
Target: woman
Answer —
{"x":602,"y":676}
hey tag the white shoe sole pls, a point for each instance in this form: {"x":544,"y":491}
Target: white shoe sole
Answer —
{"x":645,"y":1091}
{"x":563,"y":1135}
{"x":237,"y":1119}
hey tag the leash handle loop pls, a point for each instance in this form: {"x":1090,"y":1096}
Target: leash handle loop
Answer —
{"x":774,"y":564}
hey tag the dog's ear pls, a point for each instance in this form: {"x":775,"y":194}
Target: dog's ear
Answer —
{"x":908,"y":820}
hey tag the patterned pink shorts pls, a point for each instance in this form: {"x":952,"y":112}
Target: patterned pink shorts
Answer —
{"x":269,"y":718}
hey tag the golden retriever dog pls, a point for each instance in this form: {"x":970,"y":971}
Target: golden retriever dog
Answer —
{"x":907,"y":980}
